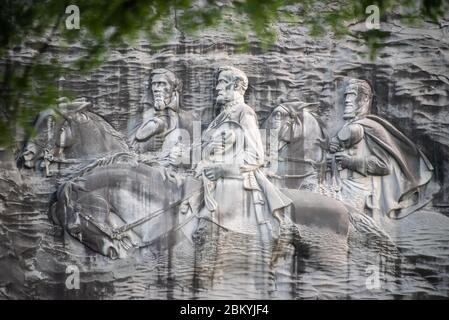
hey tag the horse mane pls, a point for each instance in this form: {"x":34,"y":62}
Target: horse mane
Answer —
{"x":119,"y":157}
{"x":325,"y":141}
{"x":108,"y":128}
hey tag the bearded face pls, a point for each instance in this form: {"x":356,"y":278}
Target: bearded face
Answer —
{"x":226,"y":91}
{"x":162,"y":91}
{"x":357,"y":102}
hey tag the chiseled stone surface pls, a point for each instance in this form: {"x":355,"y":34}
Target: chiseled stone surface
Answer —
{"x":411,"y":90}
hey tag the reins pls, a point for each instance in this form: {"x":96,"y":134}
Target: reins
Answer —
{"x":117,"y":233}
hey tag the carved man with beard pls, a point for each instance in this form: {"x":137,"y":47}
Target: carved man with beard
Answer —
{"x":237,"y":195}
{"x":160,"y":121}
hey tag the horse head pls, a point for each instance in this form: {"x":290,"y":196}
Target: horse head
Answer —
{"x":85,"y":135}
{"x":300,"y":141}
{"x":90,"y":219}
{"x":35,"y":147}
{"x":71,"y":132}
{"x":296,"y":125}
{"x":73,"y":115}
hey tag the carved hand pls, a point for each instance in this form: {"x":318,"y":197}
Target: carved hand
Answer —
{"x":343,"y":160}
{"x":334,"y":146}
{"x":198,"y":171}
{"x":213,"y":172}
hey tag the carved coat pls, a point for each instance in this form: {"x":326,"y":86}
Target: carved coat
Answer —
{"x":386,"y":167}
{"x":244,"y":198}
{"x":156,"y":127}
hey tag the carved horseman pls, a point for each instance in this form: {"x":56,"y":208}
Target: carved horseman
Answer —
{"x":380,"y":168}
{"x":157,"y":131}
{"x":117,"y":203}
{"x":237,"y":195}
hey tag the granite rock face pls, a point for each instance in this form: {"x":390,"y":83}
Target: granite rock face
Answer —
{"x":410,"y":79}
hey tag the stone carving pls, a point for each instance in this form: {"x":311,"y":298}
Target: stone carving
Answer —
{"x":377,"y":167}
{"x":233,"y":165}
{"x":110,"y":208}
{"x":161,"y":119}
{"x":118,"y":203}
{"x":233,"y":157}
{"x":119,"y":188}
{"x":71,"y":135}
{"x":116,"y":207}
{"x":298,"y":144}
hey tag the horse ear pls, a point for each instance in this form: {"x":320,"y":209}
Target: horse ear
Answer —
{"x":69,"y":108}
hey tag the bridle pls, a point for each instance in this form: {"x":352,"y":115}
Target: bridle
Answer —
{"x":119,"y":232}
{"x":49,"y":156}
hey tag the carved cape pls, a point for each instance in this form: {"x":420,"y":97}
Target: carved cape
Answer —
{"x":405,"y":189}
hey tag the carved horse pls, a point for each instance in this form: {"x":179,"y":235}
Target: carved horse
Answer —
{"x":297,"y":144}
{"x":69,"y":136}
{"x":113,"y":207}
{"x":107,"y":196}
{"x":116,"y":203}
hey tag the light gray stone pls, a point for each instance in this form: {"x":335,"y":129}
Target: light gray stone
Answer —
{"x":65,"y":205}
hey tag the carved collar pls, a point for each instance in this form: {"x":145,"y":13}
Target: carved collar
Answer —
{"x":225,"y":114}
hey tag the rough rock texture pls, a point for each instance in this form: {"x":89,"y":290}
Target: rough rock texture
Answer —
{"x":410,"y":77}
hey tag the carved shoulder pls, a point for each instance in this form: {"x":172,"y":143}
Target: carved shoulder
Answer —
{"x":350,"y":135}
{"x":245,"y":110}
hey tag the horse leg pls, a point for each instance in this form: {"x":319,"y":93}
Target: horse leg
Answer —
{"x":289,"y":235}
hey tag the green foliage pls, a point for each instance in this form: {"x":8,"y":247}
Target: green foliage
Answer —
{"x":30,"y":86}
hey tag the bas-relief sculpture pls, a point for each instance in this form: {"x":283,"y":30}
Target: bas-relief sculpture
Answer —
{"x":297,"y":145}
{"x":162,"y":118}
{"x":379,"y":169}
{"x":144,"y":191}
{"x":70,"y":135}
{"x":119,"y":202}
